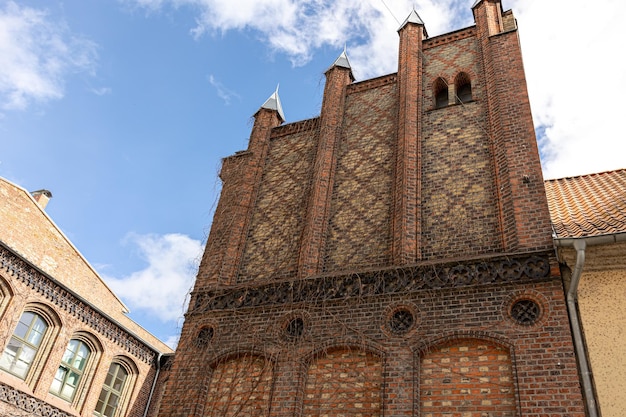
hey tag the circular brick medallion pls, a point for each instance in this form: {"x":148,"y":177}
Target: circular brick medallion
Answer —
{"x":525,"y":312}
{"x":400,"y":319}
{"x":204,"y":336}
{"x":295,"y":328}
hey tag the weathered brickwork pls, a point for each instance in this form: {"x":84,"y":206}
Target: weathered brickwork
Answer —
{"x":411,"y":271}
{"x":458,"y":214}
{"x":360,"y":206}
{"x":467,"y":378}
{"x":343,"y":383}
{"x":240,"y":386}
{"x":276,"y":226}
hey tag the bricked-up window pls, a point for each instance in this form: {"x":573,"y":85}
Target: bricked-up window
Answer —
{"x":114,"y":384}
{"x":344,"y":382}
{"x":463,"y":88}
{"x":240,"y":386}
{"x":20,"y":352}
{"x":440,"y":93}
{"x":71,"y":370}
{"x":467,"y":377}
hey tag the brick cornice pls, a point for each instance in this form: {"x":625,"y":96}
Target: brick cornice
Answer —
{"x":421,"y":277}
{"x":39,"y":282}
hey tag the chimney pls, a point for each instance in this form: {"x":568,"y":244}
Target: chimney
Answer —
{"x":42,"y":197}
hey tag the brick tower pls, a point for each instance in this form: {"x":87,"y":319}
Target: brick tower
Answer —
{"x":392,"y":256}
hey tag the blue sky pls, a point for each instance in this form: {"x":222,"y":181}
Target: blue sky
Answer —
{"x":123,"y":109}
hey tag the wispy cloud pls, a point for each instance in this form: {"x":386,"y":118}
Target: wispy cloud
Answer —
{"x":573,"y":69}
{"x":36,"y":54}
{"x":101,"y":91}
{"x":222,"y":92}
{"x":160,"y":288}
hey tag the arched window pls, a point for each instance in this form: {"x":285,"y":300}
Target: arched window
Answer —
{"x":71,"y":370}
{"x":20,"y":352}
{"x":441,"y":93}
{"x":112,"y":390}
{"x":463,"y":87}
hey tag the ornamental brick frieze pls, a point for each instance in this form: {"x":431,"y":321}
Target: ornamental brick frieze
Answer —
{"x":510,"y":269}
{"x":28,"y":404}
{"x":65,"y":300}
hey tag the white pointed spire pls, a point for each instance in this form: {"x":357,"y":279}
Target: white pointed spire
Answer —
{"x":414,"y":18}
{"x":342,"y":60}
{"x":273,"y":103}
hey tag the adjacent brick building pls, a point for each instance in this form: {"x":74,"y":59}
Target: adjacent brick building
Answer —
{"x":68,"y":346}
{"x":392,"y":256}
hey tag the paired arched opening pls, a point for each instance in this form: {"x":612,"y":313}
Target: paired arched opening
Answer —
{"x":462,"y":90}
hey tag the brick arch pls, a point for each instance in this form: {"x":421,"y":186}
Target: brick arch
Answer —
{"x":466,"y":374}
{"x":6,"y":293}
{"x":463,"y":88}
{"x":344,"y":379}
{"x":440,"y":92}
{"x":239,"y":383}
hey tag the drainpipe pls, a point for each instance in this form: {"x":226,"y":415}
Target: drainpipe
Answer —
{"x":572,"y":299}
{"x":154,"y":382}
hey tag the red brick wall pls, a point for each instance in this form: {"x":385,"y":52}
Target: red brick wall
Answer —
{"x":239,"y":386}
{"x":411,"y":231}
{"x":359,"y":210}
{"x":343,"y":382}
{"x":467,"y":378}
{"x":273,"y":241}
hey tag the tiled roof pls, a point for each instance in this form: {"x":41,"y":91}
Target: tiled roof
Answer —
{"x":588,"y":205}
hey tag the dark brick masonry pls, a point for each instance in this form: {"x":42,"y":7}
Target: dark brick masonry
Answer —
{"x":388,"y":257}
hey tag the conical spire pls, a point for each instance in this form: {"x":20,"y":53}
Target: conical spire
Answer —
{"x":273,"y":103}
{"x":343,"y":62}
{"x":415,"y":19}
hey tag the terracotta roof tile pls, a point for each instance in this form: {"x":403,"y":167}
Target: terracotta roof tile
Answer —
{"x":588,"y":205}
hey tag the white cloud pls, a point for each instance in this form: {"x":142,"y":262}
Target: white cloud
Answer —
{"x":298,"y":27}
{"x":36,"y":54}
{"x":576,"y":73}
{"x":222,"y":92}
{"x":160,"y":288}
{"x":572,"y":53}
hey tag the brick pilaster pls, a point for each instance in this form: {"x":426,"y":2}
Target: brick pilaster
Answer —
{"x":406,"y":218}
{"x":524,"y":216}
{"x":331,"y":117}
{"x":241,"y":175}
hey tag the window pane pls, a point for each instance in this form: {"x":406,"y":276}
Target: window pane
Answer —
{"x":108,"y":411}
{"x":21,"y":330}
{"x":119,"y":381}
{"x":27,"y":354}
{"x":73,"y":363}
{"x":22,"y":347}
{"x":110,"y":394}
{"x":108,"y":379}
{"x":36,"y":332}
{"x":81,"y":357}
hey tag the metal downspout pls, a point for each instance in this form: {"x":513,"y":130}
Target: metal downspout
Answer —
{"x":572,"y":300}
{"x":154,"y":382}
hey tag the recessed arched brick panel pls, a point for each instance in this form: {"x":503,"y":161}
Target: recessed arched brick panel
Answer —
{"x":466,"y":377}
{"x":240,"y":386}
{"x":344,"y":381}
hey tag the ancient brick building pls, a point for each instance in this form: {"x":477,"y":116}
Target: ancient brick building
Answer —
{"x":392,"y":256}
